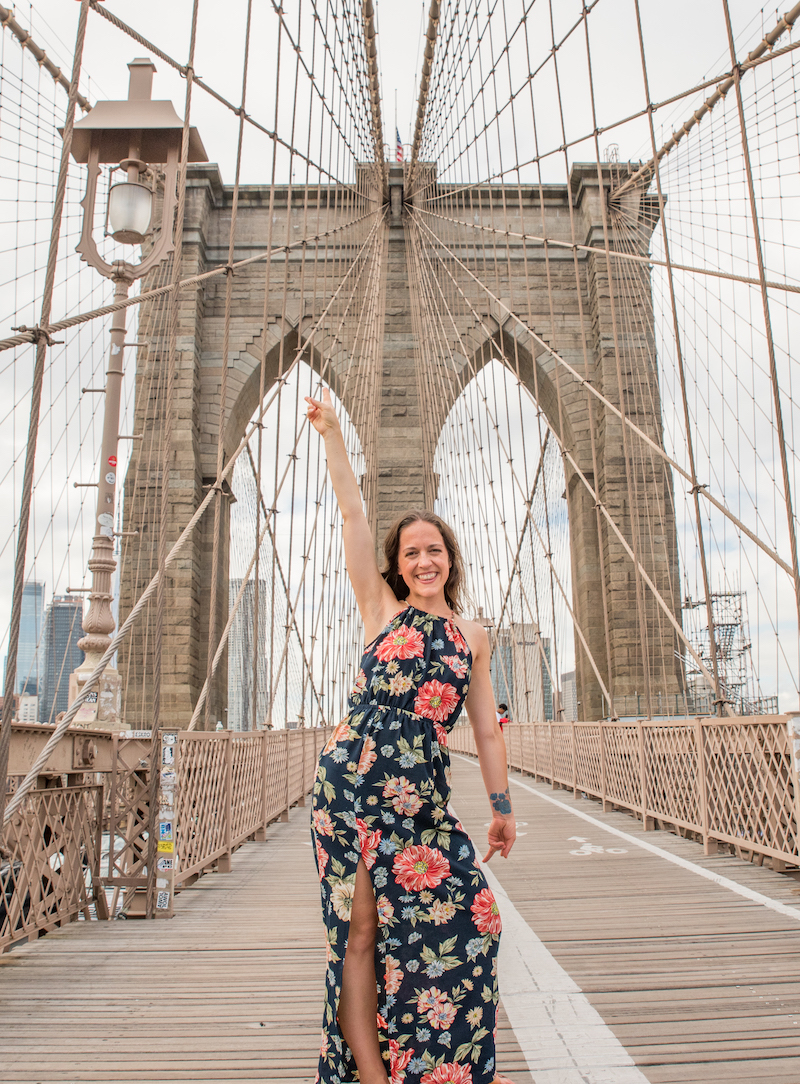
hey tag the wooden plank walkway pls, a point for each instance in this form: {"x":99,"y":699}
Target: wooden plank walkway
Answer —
{"x":696,"y":982}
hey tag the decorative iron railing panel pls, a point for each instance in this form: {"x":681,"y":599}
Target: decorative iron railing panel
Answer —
{"x":52,"y":872}
{"x":727,"y":780}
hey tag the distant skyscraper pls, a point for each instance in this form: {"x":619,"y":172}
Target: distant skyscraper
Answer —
{"x":30,"y":653}
{"x":528,"y":704}
{"x":62,"y":630}
{"x":569,"y":697}
{"x":243,"y":645}
{"x":547,"y":684}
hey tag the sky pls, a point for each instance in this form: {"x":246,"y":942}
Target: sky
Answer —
{"x":685,"y":43}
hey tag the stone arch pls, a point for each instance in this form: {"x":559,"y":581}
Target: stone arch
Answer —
{"x":243,"y":390}
{"x":530,"y":363}
{"x":518,"y":352}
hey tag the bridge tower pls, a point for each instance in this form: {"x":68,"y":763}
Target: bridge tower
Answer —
{"x":538,"y":292}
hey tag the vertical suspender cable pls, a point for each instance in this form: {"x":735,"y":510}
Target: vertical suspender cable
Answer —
{"x":42,"y":343}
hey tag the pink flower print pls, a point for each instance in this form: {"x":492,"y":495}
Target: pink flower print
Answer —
{"x":420,"y":867}
{"x":322,"y":859}
{"x":398,"y":1061}
{"x":441,"y":734}
{"x":428,"y":999}
{"x":403,"y":643}
{"x":368,"y":757}
{"x":460,"y":667}
{"x":407,"y":804}
{"x":398,"y":786}
{"x":367,"y":842}
{"x":485,"y":912}
{"x":359,"y":684}
{"x":384,"y":909}
{"x":436,"y":701}
{"x":455,"y":637}
{"x":341,"y":733}
{"x":393,"y":975}
{"x":449,"y":1074}
{"x":323,"y":825}
{"x":441,"y":1016}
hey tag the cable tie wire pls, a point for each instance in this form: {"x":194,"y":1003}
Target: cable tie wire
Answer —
{"x":38,"y":334}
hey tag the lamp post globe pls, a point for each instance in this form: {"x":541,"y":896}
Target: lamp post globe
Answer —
{"x":130,"y":211}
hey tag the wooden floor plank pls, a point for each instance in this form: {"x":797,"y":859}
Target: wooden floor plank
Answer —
{"x":700,"y":985}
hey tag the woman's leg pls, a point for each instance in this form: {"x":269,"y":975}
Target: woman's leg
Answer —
{"x":358,"y":1003}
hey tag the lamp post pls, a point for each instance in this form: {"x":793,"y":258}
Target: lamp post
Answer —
{"x":128,"y":134}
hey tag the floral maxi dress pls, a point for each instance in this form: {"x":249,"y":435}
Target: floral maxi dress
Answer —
{"x":381,"y":795}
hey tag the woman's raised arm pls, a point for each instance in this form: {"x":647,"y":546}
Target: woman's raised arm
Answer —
{"x":375,"y":598}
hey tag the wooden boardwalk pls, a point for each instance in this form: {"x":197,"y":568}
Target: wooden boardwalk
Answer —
{"x":692,"y":980}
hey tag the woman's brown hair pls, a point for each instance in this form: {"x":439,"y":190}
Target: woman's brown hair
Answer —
{"x":454,"y":588}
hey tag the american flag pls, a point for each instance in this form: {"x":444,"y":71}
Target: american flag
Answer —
{"x":399,"y":146}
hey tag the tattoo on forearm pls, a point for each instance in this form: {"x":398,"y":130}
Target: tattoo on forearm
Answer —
{"x":501,"y":803}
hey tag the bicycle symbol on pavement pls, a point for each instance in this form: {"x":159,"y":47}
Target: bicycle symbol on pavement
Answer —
{"x":592,"y":848}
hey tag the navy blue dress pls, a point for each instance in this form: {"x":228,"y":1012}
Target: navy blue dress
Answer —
{"x":381,"y":795}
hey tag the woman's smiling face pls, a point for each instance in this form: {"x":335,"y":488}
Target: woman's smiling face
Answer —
{"x":423,"y":561}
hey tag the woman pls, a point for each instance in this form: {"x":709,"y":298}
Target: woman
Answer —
{"x":404,"y":899}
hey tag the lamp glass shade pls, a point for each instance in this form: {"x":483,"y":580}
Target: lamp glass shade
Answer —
{"x":130,"y":208}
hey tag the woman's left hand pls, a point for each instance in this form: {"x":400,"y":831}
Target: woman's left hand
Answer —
{"x":502,"y":833}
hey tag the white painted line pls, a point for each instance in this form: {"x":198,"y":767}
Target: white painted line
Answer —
{"x":563,"y":1037}
{"x":725,"y":882}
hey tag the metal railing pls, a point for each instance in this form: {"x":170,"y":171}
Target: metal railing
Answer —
{"x":727,"y":780}
{"x":231,"y":786}
{"x":52,"y":870}
{"x":228,"y":788}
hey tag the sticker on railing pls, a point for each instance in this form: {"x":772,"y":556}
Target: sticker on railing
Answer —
{"x":166,"y":846}
{"x":165,"y":864}
{"x":592,"y":848}
{"x":162,"y":901}
{"x":140,"y":734}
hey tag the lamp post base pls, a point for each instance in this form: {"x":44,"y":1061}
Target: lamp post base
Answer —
{"x":102,"y":710}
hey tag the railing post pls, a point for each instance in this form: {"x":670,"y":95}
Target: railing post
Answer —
{"x":261,"y":832}
{"x":574,"y":763}
{"x":603,"y":767}
{"x":647,"y":822}
{"x":552,"y":759}
{"x":98,"y":888}
{"x":287,"y":803}
{"x":709,"y":845}
{"x":793,"y":728}
{"x":302,"y":799}
{"x":224,"y":865}
{"x":167,"y":845}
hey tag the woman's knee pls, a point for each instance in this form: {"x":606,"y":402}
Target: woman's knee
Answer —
{"x":361,"y":936}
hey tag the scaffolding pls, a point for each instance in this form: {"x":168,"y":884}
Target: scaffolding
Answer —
{"x":738,"y":680}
